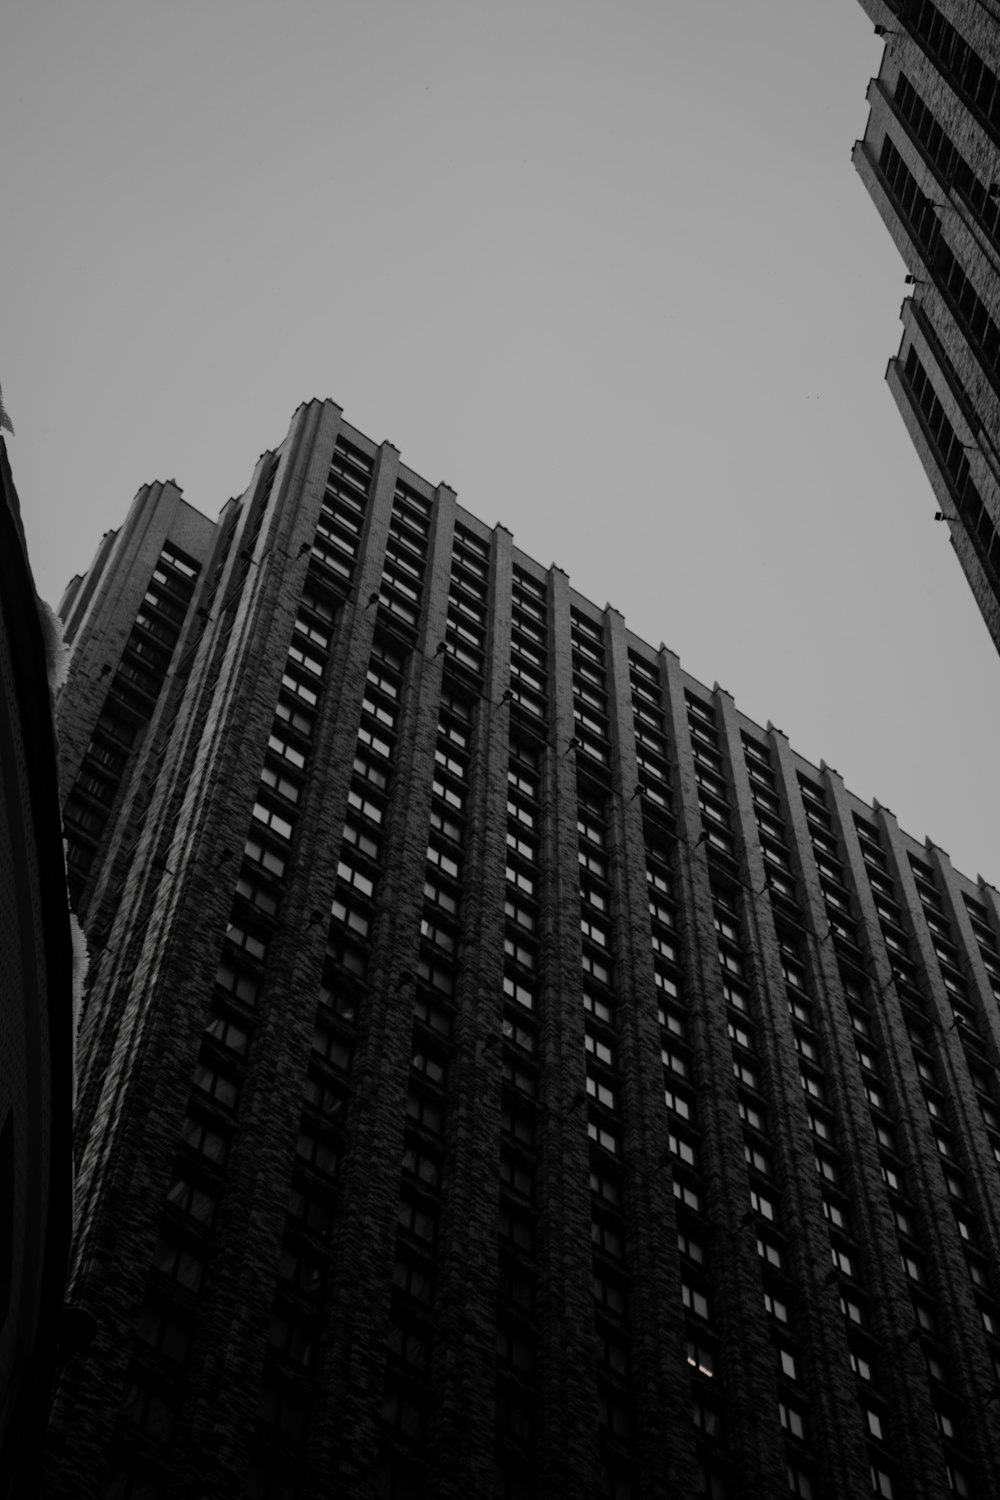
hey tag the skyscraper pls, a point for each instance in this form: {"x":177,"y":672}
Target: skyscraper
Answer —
{"x":507,"y":1070}
{"x":36,"y":1015}
{"x":930,"y":159}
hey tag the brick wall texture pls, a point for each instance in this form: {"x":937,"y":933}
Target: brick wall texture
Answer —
{"x":507,"y":1069}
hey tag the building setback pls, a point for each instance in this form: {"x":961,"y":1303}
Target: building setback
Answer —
{"x":507,"y":1070}
{"x":930,"y":159}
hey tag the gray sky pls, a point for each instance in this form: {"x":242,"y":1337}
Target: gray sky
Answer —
{"x":605,"y":268}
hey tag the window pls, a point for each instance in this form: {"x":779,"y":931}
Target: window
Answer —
{"x":890,"y":1177}
{"x":518,"y":1034}
{"x":744,"y":1074}
{"x":163,"y":1331}
{"x":756,"y":1158}
{"x":834,"y":1213}
{"x":300,"y":1270}
{"x":516,"y":1226}
{"x":686,"y":1194}
{"x":775,"y":1307}
{"x":147,"y":1409}
{"x":841,"y":1260}
{"x":761,"y":1204}
{"x":604,"y":1184}
{"x":690,"y":1247}
{"x":599,"y":1049}
{"x":207,"y":1141}
{"x":417,"y":1219}
{"x":853,"y":1311}
{"x":695,"y":1301}
{"x":432,"y":1014}
{"x":827,"y":1168}
{"x":701,"y":1358}
{"x":311,"y":1209}
{"x":442,"y":860}
{"x":674,"y":1061}
{"x":258,"y":893}
{"x":373,"y":773}
{"x":874,"y":1422}
{"x":791,"y":1420}
{"x":271,"y":818}
{"x":603,"y":1136}
{"x":677,"y":1103}
{"x":799,"y":1482}
{"x":682,"y":1149}
{"x":229,"y":1034}
{"x":290,"y":1338}
{"x":412,"y":1278}
{"x":236,"y":982}
{"x":217,"y":1084}
{"x":521,"y":993}
{"x":318,"y":1150}
{"x":354,"y":877}
{"x":251,"y":942}
{"x":596,"y":967}
{"x":425,"y":1111}
{"x":182,"y":1265}
{"x":740,"y":1035}
{"x":812,"y":1085}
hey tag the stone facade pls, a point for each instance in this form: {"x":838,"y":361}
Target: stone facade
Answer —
{"x":508,"y":1069}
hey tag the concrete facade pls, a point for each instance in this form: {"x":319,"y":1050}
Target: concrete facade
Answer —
{"x":508,"y":1070}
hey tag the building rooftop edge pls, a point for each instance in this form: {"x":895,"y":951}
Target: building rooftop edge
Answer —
{"x":355,"y":434}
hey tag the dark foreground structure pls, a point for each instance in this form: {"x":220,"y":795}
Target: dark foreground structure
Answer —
{"x":930,"y":159}
{"x":36,"y":1018}
{"x":506,"y":1069}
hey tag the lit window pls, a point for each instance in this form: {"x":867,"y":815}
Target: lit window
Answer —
{"x":701,"y":1358}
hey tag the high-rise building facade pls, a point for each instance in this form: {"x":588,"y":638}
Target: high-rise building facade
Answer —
{"x":36,"y":1015}
{"x":121,"y":623}
{"x":930,"y":159}
{"x":507,"y":1070}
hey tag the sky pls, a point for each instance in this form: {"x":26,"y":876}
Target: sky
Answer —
{"x":604,"y":268}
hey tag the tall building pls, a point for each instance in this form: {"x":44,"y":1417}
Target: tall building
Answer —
{"x":507,"y":1070}
{"x":36,"y":1016}
{"x":121,"y":622}
{"x":930,"y":159}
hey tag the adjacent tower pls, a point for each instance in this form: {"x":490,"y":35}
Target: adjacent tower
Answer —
{"x":507,"y":1070}
{"x":930,"y":159}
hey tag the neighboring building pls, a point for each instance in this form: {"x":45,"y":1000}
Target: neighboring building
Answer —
{"x":121,"y":621}
{"x":930,"y":159}
{"x":36,"y":1017}
{"x":508,"y":1070}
